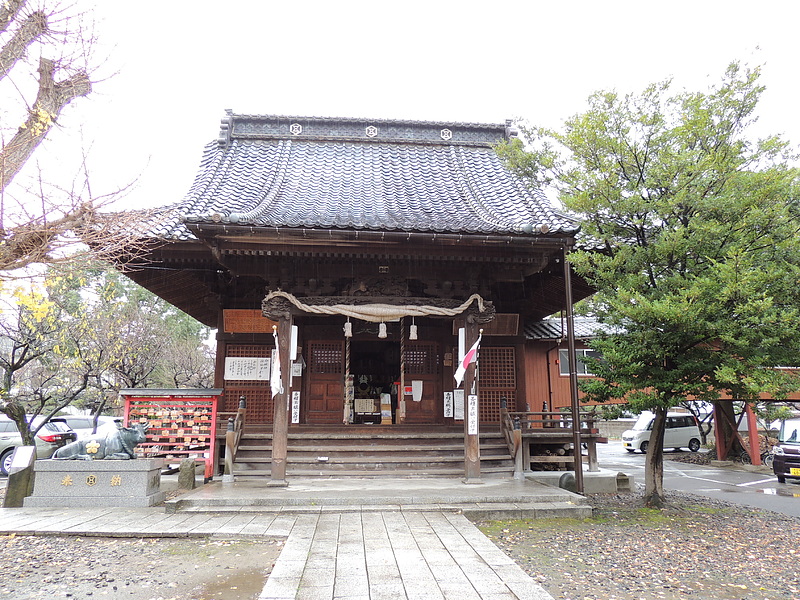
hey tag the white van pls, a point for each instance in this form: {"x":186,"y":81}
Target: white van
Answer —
{"x":681,"y":432}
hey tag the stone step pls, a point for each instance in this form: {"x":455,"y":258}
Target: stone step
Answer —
{"x":477,"y":511}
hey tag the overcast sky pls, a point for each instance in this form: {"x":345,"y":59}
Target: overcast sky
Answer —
{"x":181,"y":63}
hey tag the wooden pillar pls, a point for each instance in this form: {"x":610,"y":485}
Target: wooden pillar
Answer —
{"x":719,"y":436}
{"x":280,"y":422}
{"x":472,"y":449}
{"x":754,"y":441}
{"x":573,"y":376}
{"x":222,"y":352}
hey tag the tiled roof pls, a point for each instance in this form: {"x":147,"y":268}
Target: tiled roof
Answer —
{"x":586,"y":328}
{"x":380,"y":175}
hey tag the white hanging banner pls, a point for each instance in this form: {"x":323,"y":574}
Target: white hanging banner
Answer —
{"x":293,"y":344}
{"x":416,"y":390}
{"x":472,"y":425}
{"x":448,"y":405}
{"x":246,"y":369}
{"x":295,"y":407}
{"x":458,"y":405}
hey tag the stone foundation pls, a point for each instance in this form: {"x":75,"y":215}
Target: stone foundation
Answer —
{"x":97,"y":483}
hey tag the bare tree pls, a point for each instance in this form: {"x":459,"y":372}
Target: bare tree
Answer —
{"x":47,"y":62}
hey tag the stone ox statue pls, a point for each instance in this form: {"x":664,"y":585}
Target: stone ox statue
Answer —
{"x":115,"y":445}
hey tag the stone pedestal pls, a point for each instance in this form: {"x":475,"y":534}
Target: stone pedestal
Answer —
{"x":97,"y":483}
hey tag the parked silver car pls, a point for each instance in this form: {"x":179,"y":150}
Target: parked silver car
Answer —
{"x":49,"y":439}
{"x":83,"y":425}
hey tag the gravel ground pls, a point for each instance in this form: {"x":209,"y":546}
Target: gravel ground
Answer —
{"x":695,"y":548}
{"x":51,"y":567}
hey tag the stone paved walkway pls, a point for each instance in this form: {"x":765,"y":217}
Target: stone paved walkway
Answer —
{"x":393,"y":556}
{"x":332,"y":554}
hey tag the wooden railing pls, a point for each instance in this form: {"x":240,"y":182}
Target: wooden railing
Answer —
{"x":550,"y":435}
{"x":512,"y":433}
{"x":233,"y":436}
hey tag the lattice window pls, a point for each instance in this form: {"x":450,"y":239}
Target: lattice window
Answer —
{"x":248,"y":350}
{"x":498,"y":379}
{"x":325,"y":357}
{"x":489,"y":405}
{"x":422,"y":359}
{"x":260,"y":406}
{"x":498,"y":367}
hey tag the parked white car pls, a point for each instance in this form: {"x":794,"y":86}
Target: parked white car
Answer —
{"x":682,"y":432}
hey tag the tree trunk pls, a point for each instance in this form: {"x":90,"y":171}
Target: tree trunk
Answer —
{"x":32,"y":28}
{"x":654,"y":465}
{"x":53,"y":96}
{"x":16,"y":412}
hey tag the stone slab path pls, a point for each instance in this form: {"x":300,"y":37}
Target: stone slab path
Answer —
{"x":328,"y":555}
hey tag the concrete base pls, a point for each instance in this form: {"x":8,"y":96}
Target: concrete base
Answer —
{"x":97,"y":483}
{"x":598,"y":482}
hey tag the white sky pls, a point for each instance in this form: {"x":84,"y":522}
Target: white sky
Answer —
{"x":180,"y":63}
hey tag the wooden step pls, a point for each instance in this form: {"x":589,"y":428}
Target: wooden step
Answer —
{"x":360,"y":473}
{"x":422,"y":451}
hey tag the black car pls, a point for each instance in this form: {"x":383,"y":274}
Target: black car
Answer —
{"x":786,"y":461}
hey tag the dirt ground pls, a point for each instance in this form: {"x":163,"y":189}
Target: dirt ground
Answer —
{"x":696,"y":548}
{"x":49,"y":568}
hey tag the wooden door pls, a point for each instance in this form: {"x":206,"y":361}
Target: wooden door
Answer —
{"x":422,"y":362}
{"x":325,"y":369}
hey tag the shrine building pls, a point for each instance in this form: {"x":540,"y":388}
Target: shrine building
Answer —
{"x":376,"y":253}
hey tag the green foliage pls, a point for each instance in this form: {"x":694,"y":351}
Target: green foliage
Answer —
{"x":768,"y":413}
{"x":690,"y":240}
{"x":82,"y":334}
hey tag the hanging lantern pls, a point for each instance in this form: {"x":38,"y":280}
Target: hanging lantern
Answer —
{"x":348,"y":329}
{"x":382,"y":330}
{"x":412,"y":331}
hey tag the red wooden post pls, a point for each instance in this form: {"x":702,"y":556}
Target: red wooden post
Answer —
{"x":752,"y":433}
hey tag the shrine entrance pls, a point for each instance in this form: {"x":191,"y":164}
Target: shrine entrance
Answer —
{"x":375,"y":372}
{"x":372,"y":371}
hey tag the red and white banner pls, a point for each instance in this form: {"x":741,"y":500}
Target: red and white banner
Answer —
{"x":470,"y":357}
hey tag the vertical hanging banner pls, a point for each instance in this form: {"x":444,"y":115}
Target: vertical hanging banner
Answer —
{"x":448,"y":405}
{"x":458,"y":405}
{"x":275,"y":383}
{"x":472,"y":407}
{"x":295,"y":407}
{"x":469,"y":358}
{"x":416,"y":390}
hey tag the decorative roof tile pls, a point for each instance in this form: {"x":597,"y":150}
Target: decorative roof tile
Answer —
{"x":270,"y":171}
